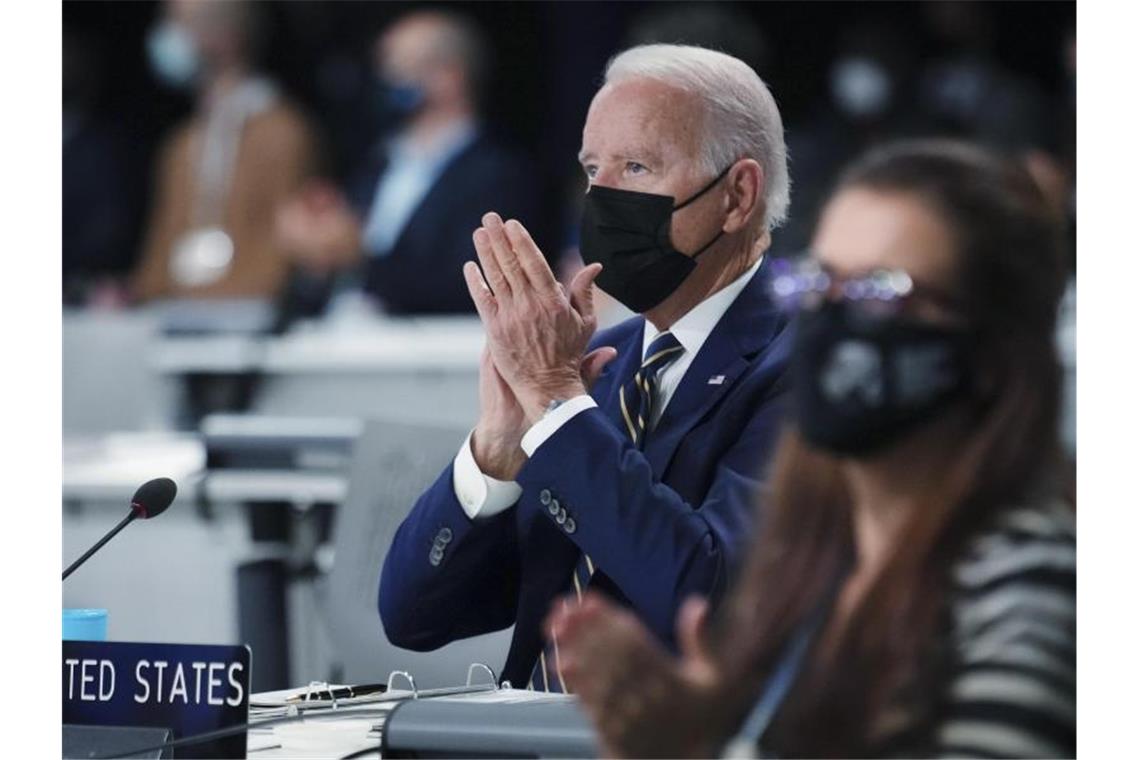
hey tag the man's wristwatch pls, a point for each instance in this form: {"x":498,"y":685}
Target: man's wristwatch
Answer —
{"x":554,"y":404}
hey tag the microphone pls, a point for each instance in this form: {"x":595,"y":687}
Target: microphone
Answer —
{"x":150,"y":500}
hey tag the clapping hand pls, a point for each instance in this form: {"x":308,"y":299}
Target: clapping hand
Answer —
{"x":526,"y":307}
{"x":643,"y":701}
{"x":537,"y":331}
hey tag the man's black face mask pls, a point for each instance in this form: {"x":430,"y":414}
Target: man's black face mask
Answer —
{"x":628,"y":234}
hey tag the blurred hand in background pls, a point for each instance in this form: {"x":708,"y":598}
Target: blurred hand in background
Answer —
{"x":317,"y":229}
{"x":644,"y":701}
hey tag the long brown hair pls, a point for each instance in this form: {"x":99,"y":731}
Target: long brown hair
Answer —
{"x":1010,"y":275}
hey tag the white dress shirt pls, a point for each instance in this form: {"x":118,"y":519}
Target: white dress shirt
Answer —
{"x":482,"y":496}
{"x":411,"y":172}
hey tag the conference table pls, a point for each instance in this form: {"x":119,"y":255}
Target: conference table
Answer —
{"x":472,"y":720}
{"x":129,"y":371}
{"x":125,"y":386}
{"x":205,"y":536}
{"x":423,"y":369}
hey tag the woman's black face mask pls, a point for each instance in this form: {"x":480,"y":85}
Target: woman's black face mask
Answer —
{"x":859,"y":384}
{"x":628,"y":234}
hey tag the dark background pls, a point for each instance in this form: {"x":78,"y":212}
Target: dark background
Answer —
{"x":548,"y":60}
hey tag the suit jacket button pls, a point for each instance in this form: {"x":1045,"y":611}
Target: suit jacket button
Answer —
{"x":553,"y":507}
{"x":570,"y":525}
{"x":436,"y":556}
{"x":544,"y":496}
{"x":560,"y":518}
{"x":444,"y":535}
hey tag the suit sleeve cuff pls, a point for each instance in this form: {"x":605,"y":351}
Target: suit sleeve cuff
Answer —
{"x":552,"y":421}
{"x":480,"y":495}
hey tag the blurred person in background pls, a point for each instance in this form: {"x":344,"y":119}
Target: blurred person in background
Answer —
{"x":221,"y":175}
{"x":626,"y":462}
{"x":912,"y":593}
{"x":402,"y":228}
{"x":967,"y":91}
{"x":98,"y":187}
{"x":868,"y":98}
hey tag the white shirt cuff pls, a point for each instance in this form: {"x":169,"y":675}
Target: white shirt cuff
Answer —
{"x":552,"y":421}
{"x":480,"y":495}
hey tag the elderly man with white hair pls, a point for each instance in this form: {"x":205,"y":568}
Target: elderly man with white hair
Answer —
{"x":629,"y":461}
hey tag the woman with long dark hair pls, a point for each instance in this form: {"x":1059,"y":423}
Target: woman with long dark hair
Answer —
{"x":912,"y":588}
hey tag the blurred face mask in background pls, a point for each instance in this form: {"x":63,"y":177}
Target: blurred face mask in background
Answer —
{"x":398,"y":99}
{"x":628,"y":233}
{"x":404,"y":99}
{"x":174,"y":57}
{"x":860,"y":87}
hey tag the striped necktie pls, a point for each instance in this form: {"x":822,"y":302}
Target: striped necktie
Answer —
{"x":636,"y":398}
{"x":638,"y":394}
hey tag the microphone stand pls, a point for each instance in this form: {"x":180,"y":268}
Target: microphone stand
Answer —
{"x":87,"y":555}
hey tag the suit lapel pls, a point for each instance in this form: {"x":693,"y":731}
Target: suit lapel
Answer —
{"x":745,"y":329}
{"x":620,"y":370}
{"x":693,"y":397}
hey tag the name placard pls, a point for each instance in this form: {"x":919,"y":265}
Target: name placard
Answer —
{"x":187,"y":688}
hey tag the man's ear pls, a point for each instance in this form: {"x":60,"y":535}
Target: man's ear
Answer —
{"x":745,"y":200}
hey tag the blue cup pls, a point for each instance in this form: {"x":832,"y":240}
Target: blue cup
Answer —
{"x":85,"y":625}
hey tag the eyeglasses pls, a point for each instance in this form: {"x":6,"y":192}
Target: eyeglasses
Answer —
{"x":803,"y":284}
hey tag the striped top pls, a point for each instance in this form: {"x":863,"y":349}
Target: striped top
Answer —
{"x":1011,"y":686}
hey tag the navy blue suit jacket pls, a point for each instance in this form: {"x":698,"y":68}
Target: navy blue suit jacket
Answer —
{"x":422,"y":273}
{"x":659,"y":524}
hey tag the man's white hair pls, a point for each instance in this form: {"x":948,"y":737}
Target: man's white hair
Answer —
{"x":741,"y":117}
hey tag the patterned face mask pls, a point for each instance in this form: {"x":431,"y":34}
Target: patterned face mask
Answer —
{"x":859,"y":383}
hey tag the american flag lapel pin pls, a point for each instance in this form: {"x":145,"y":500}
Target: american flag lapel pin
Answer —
{"x":716,"y":380}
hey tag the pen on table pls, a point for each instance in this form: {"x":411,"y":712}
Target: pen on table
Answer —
{"x":344,"y":692}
